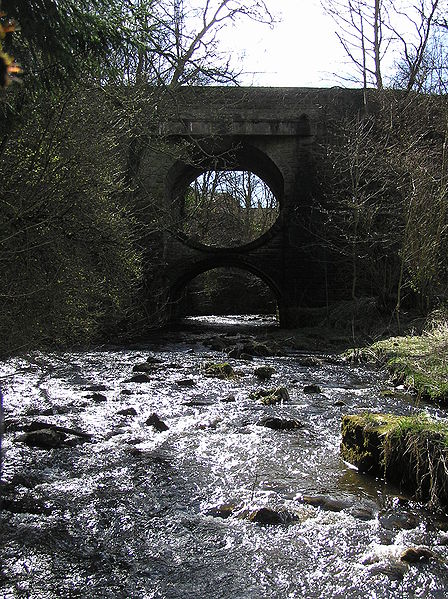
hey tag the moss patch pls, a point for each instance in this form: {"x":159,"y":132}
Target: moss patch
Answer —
{"x":419,"y":362}
{"x":410,"y":451}
{"x":218,"y":370}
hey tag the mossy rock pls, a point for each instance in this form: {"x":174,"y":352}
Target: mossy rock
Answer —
{"x":225,"y":510}
{"x":219,"y":370}
{"x":409,"y":451}
{"x":270,"y":397}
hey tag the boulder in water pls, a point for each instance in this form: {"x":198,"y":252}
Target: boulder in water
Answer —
{"x":221,"y":511}
{"x":280,"y":424}
{"x":186,"y":382}
{"x":45,"y":438}
{"x":156,"y":423}
{"x":326,"y":503}
{"x":393,"y":570}
{"x":264,"y":372}
{"x":139,"y":378}
{"x":97,"y":397}
{"x":270,"y":396}
{"x":228,"y":399}
{"x":144,"y":367}
{"x":127,"y":412}
{"x":415,"y":555}
{"x":218,"y":370}
{"x":266,"y":515}
{"x":153,"y":360}
{"x":96,"y":388}
{"x":403,"y":520}
{"x":312,"y":389}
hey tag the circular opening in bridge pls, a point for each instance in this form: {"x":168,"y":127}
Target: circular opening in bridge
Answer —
{"x":228,"y":208}
{"x":228,"y":291}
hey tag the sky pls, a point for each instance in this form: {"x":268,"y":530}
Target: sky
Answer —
{"x":301,"y":50}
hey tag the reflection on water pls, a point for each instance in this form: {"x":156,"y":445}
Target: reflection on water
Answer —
{"x":131,"y":514}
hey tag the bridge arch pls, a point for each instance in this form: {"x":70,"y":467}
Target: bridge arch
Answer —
{"x":224,"y":155}
{"x":195,"y":269}
{"x":280,"y":135}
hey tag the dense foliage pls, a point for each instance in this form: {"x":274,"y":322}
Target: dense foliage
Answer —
{"x":68,"y":262}
{"x":384,"y":185}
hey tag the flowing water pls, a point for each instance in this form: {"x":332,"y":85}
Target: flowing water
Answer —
{"x":138,"y":513}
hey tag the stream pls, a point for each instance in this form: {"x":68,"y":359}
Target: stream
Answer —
{"x":138,"y":512}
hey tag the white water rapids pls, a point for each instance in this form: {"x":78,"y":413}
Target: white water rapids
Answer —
{"x":133,"y":513}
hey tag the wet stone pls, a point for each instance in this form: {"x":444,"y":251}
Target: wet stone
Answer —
{"x":95,"y":388}
{"x":139,"y":378}
{"x":264,"y":372}
{"x":362,"y":513}
{"x":186,"y":382}
{"x":309,"y":361}
{"x":153,"y":360}
{"x":326,"y":503}
{"x":229,"y":399}
{"x":219,"y":370}
{"x":38,"y":426}
{"x":280,"y":424}
{"x":414,"y":555}
{"x":75,"y":441}
{"x":221,"y":511}
{"x":156,"y":423}
{"x":40,"y":412}
{"x":198,"y":403}
{"x":312,"y":389}
{"x":270,"y":396}
{"x":400,"y":520}
{"x":144,"y":367}
{"x":393,"y":570}
{"x":127,"y":412}
{"x":97,"y":397}
{"x":46,"y":438}
{"x":266,"y":516}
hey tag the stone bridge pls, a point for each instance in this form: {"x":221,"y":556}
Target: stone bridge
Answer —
{"x":275,"y":133}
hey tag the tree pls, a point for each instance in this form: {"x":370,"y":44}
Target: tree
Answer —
{"x":384,"y":201}
{"x":361,"y":26}
{"x":381,"y":36}
{"x":59,"y":40}
{"x":176,"y":42}
{"x":8,"y":66}
{"x":417,"y":44}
